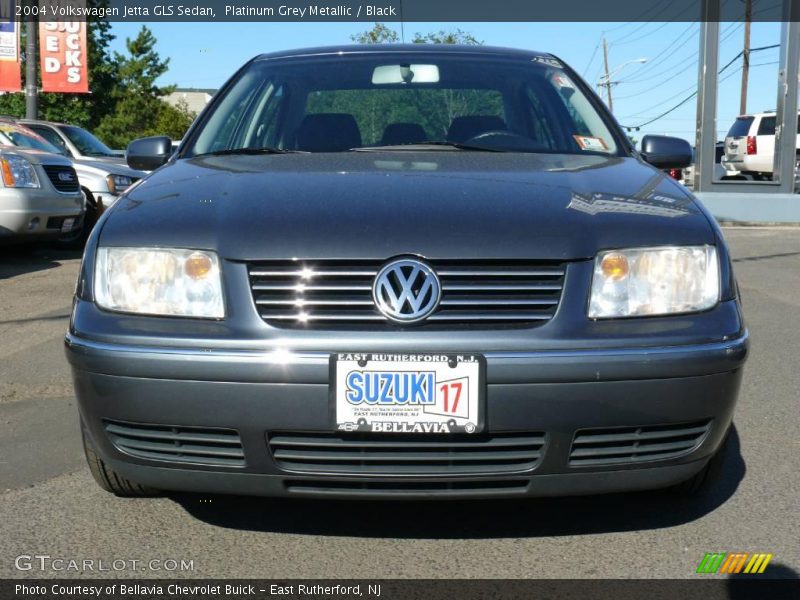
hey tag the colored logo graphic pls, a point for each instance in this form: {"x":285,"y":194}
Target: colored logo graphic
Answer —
{"x":734,"y":562}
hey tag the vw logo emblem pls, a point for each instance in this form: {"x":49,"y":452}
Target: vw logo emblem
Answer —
{"x":406,"y":290}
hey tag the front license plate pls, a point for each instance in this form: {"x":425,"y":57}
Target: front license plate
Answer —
{"x":407,"y":393}
{"x":67,"y":224}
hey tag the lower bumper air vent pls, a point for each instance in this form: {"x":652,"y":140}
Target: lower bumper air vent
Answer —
{"x":330,"y":453}
{"x":196,"y":445}
{"x":398,"y":488}
{"x":631,"y":445}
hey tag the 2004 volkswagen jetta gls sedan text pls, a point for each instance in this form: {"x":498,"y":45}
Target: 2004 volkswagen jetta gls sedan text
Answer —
{"x":406,"y":272}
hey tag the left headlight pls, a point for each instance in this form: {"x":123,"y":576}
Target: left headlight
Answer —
{"x":642,"y":282}
{"x":159,"y":281}
{"x":118,"y":183}
{"x":18,"y":172}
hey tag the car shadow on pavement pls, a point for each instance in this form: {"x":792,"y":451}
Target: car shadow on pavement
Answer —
{"x":21,"y":259}
{"x":747,"y":586}
{"x":454,"y":519}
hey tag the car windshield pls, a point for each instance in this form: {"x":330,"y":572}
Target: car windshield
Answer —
{"x":85,"y":142}
{"x":16,"y":135}
{"x":415,"y":100}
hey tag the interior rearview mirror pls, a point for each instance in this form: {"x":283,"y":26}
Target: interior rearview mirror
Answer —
{"x":388,"y":74}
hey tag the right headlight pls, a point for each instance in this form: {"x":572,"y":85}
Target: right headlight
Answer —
{"x":641,"y":282}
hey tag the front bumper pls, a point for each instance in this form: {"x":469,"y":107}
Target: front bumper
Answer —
{"x":554,"y":393}
{"x":32,"y":213}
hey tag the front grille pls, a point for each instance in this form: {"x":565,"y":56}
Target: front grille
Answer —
{"x":408,"y":455}
{"x":199,"y":445}
{"x":632,"y":445}
{"x":423,"y":488}
{"x":328,"y":293}
{"x":64,"y":179}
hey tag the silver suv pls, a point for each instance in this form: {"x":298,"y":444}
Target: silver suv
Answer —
{"x":40,"y":196}
{"x":750,"y":145}
{"x":102,"y":172}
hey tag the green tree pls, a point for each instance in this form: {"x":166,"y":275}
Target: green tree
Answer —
{"x":379,"y":34}
{"x":138,"y":97}
{"x":85,"y":110}
{"x":447,"y":37}
{"x":173,"y":121}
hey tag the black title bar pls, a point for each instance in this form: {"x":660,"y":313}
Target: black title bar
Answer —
{"x":443,"y":11}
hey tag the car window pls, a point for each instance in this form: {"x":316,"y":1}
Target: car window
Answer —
{"x":48,"y":134}
{"x":766,"y":126}
{"x":331,"y":104}
{"x":85,"y":142}
{"x":434,"y":110}
{"x":740,"y":127}
{"x":23,"y":137}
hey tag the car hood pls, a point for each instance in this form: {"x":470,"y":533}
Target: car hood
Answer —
{"x":437,"y":204}
{"x":104,"y":167}
{"x":37,"y":157}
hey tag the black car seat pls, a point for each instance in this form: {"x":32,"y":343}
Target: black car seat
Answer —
{"x":327,"y":132}
{"x":403,"y":133}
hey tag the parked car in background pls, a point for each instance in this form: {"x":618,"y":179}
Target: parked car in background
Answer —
{"x":353,"y":289}
{"x":102,"y":172}
{"x":78,"y":142}
{"x":40,"y":197}
{"x":687,"y":174}
{"x":750,"y":145}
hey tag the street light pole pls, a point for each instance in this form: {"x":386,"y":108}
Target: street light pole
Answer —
{"x":606,"y":82}
{"x":31,"y":63}
{"x":607,"y":76}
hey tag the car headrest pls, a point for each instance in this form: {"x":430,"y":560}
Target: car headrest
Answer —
{"x":327,"y":132}
{"x":464,"y":128}
{"x":403,"y":133}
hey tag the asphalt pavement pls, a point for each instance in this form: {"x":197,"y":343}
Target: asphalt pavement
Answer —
{"x":50,"y":506}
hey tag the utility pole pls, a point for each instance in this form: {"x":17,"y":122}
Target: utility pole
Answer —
{"x":31,"y":64}
{"x":748,"y":17}
{"x":607,"y":78}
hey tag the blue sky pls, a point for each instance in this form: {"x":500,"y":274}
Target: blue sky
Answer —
{"x":206,"y":54}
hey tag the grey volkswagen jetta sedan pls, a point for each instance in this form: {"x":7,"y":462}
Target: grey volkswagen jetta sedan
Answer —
{"x":406,"y":272}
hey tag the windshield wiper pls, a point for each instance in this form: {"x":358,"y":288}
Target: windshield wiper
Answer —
{"x":411,"y":146}
{"x":266,"y":150}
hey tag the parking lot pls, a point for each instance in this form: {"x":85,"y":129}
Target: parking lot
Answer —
{"x":49,"y":504}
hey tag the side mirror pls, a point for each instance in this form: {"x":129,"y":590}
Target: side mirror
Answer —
{"x":147,"y":154}
{"x":666,"y":152}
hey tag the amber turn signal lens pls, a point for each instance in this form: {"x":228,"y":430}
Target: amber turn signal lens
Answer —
{"x":198,"y":266}
{"x":615,"y":266}
{"x":8,"y":176}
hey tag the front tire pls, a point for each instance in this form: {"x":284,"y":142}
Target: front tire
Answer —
{"x":110,"y":480}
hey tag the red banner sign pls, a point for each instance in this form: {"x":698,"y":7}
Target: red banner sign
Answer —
{"x":63,"y":51}
{"x":10,"y":79}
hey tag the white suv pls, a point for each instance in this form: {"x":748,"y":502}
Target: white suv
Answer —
{"x":750,"y":145}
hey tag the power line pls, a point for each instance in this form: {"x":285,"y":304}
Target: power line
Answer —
{"x":591,"y":60}
{"x":693,"y":94}
{"x":653,"y":62}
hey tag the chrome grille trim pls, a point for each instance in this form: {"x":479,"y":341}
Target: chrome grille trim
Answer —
{"x":323,"y":293}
